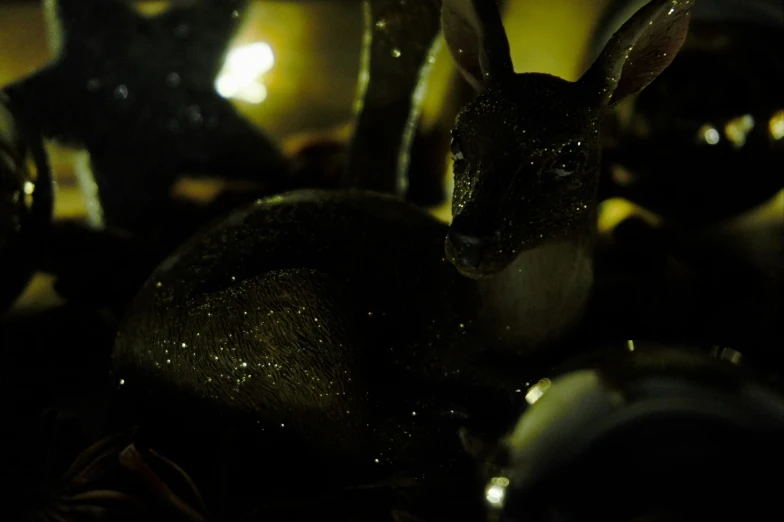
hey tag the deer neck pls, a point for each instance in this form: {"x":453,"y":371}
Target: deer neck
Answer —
{"x":540,"y":295}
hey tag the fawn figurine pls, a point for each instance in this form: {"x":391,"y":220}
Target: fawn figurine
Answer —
{"x":526,"y":164}
{"x":308,"y":311}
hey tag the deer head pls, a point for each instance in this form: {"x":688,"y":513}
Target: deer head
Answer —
{"x":526,"y":149}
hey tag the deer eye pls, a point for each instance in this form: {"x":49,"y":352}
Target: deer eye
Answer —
{"x":568,"y":161}
{"x":457,"y":154}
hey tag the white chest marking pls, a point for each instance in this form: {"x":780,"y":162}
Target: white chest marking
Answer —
{"x":539,"y":296}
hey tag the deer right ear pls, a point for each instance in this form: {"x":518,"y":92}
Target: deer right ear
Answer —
{"x":476,"y":38}
{"x":638,"y":52}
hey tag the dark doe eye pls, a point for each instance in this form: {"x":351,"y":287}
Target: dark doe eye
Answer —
{"x":569,"y":161}
{"x":457,"y":154}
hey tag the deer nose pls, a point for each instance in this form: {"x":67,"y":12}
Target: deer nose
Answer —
{"x":466,"y":251}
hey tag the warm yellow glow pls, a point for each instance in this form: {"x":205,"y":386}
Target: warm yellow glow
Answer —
{"x":621,"y":175}
{"x":240,"y":77}
{"x":496,"y":491}
{"x":537,"y":391}
{"x":151,"y":9}
{"x":708,"y":134}
{"x":767,"y":213}
{"x":38,"y":295}
{"x":776,"y":125}
{"x":29,"y":188}
{"x":737,"y":129}
{"x":615,"y":210}
{"x":89,"y":188}
{"x":551,"y":35}
{"x":443,"y":212}
{"x":727,"y":354}
{"x":203,"y":191}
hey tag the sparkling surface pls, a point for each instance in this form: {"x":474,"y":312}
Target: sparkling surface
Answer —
{"x":286,"y":344}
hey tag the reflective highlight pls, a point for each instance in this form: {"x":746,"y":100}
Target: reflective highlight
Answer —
{"x":240,"y":77}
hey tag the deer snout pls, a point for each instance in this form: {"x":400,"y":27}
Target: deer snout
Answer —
{"x":465,"y":252}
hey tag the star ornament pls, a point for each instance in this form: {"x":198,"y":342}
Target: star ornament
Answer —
{"x":138,"y":93}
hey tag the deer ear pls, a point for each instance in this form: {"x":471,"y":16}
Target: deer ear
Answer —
{"x":639,"y":51}
{"x":476,"y":38}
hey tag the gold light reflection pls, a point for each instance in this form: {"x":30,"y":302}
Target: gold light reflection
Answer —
{"x":496,"y":491}
{"x":621,"y":175}
{"x":443,"y":212}
{"x":240,"y":77}
{"x":29,"y":189}
{"x":88,"y":188}
{"x":613,"y":211}
{"x":737,"y":129}
{"x":151,"y":9}
{"x":708,"y":134}
{"x":537,"y":391}
{"x":776,"y":125}
{"x":69,"y":201}
{"x":727,"y":354}
{"x":770,"y":212}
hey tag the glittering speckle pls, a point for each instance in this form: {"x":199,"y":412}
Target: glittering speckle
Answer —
{"x":182,"y":30}
{"x":173,"y":80}
{"x":194,"y":115}
{"x":121,"y":92}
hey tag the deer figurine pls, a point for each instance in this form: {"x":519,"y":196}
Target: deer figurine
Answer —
{"x":318,"y":314}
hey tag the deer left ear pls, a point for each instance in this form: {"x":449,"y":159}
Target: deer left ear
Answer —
{"x":638,"y":52}
{"x":476,"y":38}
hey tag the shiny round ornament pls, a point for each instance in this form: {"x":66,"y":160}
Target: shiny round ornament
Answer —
{"x":643,"y":432}
{"x":705,"y":141}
